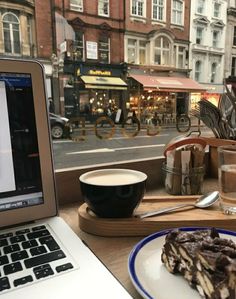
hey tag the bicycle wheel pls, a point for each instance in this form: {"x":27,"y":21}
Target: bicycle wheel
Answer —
{"x":183,"y":123}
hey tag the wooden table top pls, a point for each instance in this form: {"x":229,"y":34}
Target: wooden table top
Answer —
{"x":106,"y":248}
{"x":112,"y":251}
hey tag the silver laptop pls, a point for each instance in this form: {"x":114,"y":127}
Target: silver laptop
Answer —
{"x":40,"y":256}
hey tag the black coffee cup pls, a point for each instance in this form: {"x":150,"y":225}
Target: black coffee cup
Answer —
{"x":113,"y":193}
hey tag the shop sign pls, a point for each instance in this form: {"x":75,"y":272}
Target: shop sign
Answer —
{"x":99,"y":73}
{"x":92,"y":50}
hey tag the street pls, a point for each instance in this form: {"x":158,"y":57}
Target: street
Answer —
{"x":94,"y":151}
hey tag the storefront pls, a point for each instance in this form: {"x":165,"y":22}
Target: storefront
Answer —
{"x":164,"y":97}
{"x":95,"y":90}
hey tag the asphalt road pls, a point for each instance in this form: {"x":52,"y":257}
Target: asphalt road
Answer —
{"x":93,"y":151}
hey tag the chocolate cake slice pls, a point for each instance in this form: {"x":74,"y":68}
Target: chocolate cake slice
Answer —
{"x":207,"y":261}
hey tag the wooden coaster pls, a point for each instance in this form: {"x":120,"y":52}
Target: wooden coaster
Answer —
{"x":134,"y":226}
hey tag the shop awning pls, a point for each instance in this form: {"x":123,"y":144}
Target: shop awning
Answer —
{"x":175,"y":84}
{"x":97,"y":82}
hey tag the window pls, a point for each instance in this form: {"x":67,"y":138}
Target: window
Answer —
{"x":29,"y":30}
{"x":215,"y":38}
{"x":234,"y":38}
{"x":181,"y":57}
{"x":158,"y":10}
{"x":177,"y":12}
{"x":162,"y":51}
{"x":11,"y":31}
{"x":79,"y":46}
{"x":200,"y":6}
{"x":216,"y":10}
{"x":76,"y":5}
{"x":138,"y":8}
{"x":142,"y":52}
{"x":213,"y":72}
{"x":199,"y":35}
{"x":103,"y":7}
{"x":131,"y":51}
{"x":136,"y":52}
{"x":233,"y":67}
{"x":198,"y":67}
{"x":104,"y":49}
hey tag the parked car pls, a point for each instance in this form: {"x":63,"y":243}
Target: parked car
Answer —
{"x":58,"y":126}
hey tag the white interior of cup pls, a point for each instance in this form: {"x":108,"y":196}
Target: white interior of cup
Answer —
{"x":113,"y":177}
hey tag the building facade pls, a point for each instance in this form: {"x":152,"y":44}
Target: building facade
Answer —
{"x":207,"y":47}
{"x":90,"y":38}
{"x":22,"y":34}
{"x":230,"y":45}
{"x":157,"y":54}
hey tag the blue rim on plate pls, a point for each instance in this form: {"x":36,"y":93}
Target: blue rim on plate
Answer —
{"x":133,"y":254}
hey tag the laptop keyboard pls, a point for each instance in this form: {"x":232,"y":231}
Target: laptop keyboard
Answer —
{"x":28,"y":255}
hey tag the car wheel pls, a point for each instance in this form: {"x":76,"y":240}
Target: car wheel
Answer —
{"x":57,"y":131}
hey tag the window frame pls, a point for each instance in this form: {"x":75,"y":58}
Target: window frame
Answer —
{"x":213,"y":73}
{"x":201,"y":38}
{"x":78,"y":46}
{"x":234,"y":37}
{"x":101,"y":7}
{"x":215,"y":41}
{"x":137,"y":47}
{"x":103,"y":50}
{"x":77,"y":7}
{"x":136,"y":14}
{"x":197,"y":71}
{"x":162,"y":50}
{"x":157,"y":5}
{"x":175,"y":11}
{"x":216,"y":11}
{"x":11,"y":34}
{"x":200,"y":4}
{"x":233,"y":66}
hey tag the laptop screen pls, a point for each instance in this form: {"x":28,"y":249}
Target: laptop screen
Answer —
{"x":20,"y":174}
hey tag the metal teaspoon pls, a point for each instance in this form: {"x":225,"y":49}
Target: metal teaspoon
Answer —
{"x":202,"y":202}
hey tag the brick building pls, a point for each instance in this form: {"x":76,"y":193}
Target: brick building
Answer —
{"x":90,"y":38}
{"x":22,"y":34}
{"x":156,"y":51}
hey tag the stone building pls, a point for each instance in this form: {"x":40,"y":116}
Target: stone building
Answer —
{"x":230,"y":45}
{"x":207,"y":48}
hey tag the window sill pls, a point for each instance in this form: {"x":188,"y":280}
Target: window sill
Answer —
{"x":138,"y":19}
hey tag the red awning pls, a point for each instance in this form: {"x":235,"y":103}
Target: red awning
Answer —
{"x":168,"y":83}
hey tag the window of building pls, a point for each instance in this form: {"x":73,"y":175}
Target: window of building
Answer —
{"x":213,"y":72}
{"x":234,"y":37}
{"x":181,"y":54}
{"x":76,"y":5}
{"x":162,"y":51}
{"x":136,"y":52}
{"x":104,"y":49}
{"x":199,"y":35}
{"x":11,"y":32}
{"x":158,"y":10}
{"x":198,"y":69}
{"x":177,"y":12}
{"x":216,"y":10}
{"x":233,"y":67}
{"x":79,"y":46}
{"x":103,"y":7}
{"x":132,"y":50}
{"x":200,"y":6}
{"x":142,"y":52}
{"x":215,"y":38}
{"x":29,"y":29}
{"x":138,"y":8}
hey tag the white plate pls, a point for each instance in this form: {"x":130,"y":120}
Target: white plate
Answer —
{"x":149,"y":275}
